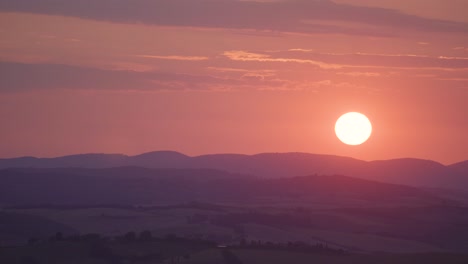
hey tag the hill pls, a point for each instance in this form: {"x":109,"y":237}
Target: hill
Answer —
{"x":415,"y":172}
{"x":17,"y":228}
{"x":357,"y":214}
{"x":134,"y":185}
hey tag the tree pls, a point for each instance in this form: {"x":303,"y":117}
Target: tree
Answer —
{"x":32,"y":241}
{"x":58,"y":236}
{"x":130,"y":237}
{"x":91,"y":237}
{"x":146,"y":236}
{"x":171,"y":237}
{"x":243,"y":242}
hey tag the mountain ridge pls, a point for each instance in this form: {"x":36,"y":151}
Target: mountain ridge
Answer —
{"x":407,"y":171}
{"x":97,"y":154}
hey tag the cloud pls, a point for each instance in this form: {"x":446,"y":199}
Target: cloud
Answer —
{"x":313,"y":16}
{"x":23,"y":77}
{"x":239,"y":55}
{"x":461,"y":48}
{"x":351,"y":60}
{"x":359,"y":74}
{"x":182,"y":58}
{"x":224,"y":69}
{"x":454,"y":79}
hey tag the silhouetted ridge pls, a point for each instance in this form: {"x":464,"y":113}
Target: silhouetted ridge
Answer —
{"x":159,"y":159}
{"x":413,"y":172}
{"x":161,"y":154}
{"x":460,"y":167}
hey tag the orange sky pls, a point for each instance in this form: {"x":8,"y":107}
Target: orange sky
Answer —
{"x":206,"y":76}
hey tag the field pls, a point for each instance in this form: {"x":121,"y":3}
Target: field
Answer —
{"x":392,"y":230}
{"x":150,"y":252}
{"x":275,"y":257}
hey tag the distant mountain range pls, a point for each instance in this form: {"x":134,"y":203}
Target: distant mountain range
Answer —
{"x":414,"y":172}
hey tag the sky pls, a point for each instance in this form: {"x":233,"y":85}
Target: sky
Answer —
{"x":233,"y":76}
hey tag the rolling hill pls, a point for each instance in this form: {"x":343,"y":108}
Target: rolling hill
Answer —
{"x":415,"y":172}
{"x":135,"y":185}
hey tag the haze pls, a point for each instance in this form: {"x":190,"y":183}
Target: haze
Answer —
{"x":230,"y":77}
{"x":209,"y":131}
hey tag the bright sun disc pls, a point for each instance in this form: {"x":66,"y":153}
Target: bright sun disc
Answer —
{"x":353,"y":128}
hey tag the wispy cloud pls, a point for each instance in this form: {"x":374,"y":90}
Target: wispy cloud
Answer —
{"x":454,"y":79}
{"x":175,"y":57}
{"x":259,"y":15}
{"x":352,"y":60}
{"x":22,"y":76}
{"x":239,"y":55}
{"x":359,"y":74}
{"x":224,"y":69}
{"x":452,"y":58}
{"x":461,"y":48}
{"x":303,"y":50}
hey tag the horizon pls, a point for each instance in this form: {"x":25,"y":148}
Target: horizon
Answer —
{"x":229,"y":153}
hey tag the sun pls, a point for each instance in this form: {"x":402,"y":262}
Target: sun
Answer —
{"x":353,"y":128}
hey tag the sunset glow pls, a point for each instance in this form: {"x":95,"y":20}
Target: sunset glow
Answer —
{"x":234,"y":76}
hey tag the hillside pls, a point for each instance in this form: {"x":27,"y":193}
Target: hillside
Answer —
{"x":17,"y":228}
{"x":413,"y":172}
{"x":345,"y":212}
{"x":134,"y":185}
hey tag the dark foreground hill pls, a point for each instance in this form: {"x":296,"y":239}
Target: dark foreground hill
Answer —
{"x":17,"y":228}
{"x":134,"y":185}
{"x":413,"y":172}
{"x":343,"y":212}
